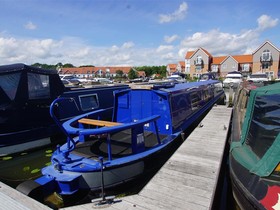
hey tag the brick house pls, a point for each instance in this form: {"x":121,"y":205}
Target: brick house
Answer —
{"x":264,"y":59}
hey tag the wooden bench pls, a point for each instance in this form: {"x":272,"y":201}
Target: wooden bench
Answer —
{"x":98,"y":122}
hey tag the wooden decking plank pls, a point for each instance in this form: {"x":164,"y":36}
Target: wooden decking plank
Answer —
{"x":173,"y":199}
{"x":176,"y":191}
{"x":144,"y":202}
{"x":192,"y":181}
{"x":12,"y":199}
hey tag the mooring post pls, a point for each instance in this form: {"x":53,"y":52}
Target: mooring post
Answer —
{"x":103,"y":200}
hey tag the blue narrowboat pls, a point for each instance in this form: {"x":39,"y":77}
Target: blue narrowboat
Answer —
{"x":145,"y":121}
{"x":26,"y":93}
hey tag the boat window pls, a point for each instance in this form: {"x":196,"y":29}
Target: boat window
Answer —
{"x":9,"y":84}
{"x":38,"y":86}
{"x":265,"y":124}
{"x":89,"y":102}
{"x":240,"y":110}
{"x":195,"y":99}
{"x":241,"y":104}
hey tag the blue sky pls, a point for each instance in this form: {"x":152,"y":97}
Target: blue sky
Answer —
{"x":132,"y":32}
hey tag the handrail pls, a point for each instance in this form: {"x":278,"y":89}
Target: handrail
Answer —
{"x":72,"y":130}
{"x":117,"y":128}
{"x":57,"y":121}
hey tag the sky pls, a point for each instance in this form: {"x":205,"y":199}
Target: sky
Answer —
{"x":132,"y":32}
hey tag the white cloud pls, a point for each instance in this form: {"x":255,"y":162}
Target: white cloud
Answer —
{"x":168,"y":57}
{"x":162,"y":48}
{"x":179,"y":14}
{"x":169,"y":39}
{"x":128,"y":45}
{"x":217,"y":42}
{"x":30,"y":26}
{"x":114,"y":48}
{"x":266,"y":21}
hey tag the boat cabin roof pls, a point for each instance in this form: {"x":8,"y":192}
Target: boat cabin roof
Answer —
{"x":171,"y":87}
{"x":259,"y":137}
{"x":21,"y":83}
{"x":20,"y":67}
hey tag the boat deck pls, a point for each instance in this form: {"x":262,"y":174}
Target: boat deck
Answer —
{"x":188,"y":179}
{"x":121,"y":145}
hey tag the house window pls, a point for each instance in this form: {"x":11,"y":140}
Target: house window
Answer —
{"x":266,"y":55}
{"x":265,"y":65}
{"x":198,"y":68}
{"x":224,"y":66}
{"x":214,"y":68}
{"x":245,"y":67}
{"x":198,"y":60}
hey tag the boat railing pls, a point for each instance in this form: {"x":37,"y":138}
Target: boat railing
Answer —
{"x":108,"y":128}
{"x":70,"y":141}
{"x":114,"y":126}
{"x":93,"y":127}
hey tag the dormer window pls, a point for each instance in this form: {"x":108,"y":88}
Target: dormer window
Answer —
{"x":266,"y":56}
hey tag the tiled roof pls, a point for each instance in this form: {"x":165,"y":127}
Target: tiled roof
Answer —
{"x":238,"y":58}
{"x":172,"y":65}
{"x":206,"y":52}
{"x":189,"y":54}
{"x":218,"y":60}
{"x":182,"y":63}
{"x":243,"y":58}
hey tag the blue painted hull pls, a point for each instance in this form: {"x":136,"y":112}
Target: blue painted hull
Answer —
{"x":144,"y":125}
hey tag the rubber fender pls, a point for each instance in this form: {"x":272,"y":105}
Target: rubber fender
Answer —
{"x":31,"y":189}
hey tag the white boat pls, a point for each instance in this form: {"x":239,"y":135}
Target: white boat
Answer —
{"x":233,"y":79}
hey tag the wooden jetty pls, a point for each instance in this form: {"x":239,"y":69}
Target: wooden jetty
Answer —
{"x":13,"y":200}
{"x":188,"y":180}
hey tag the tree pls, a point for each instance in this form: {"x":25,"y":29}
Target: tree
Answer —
{"x":119,"y":73}
{"x":151,"y":70}
{"x":132,"y":74}
{"x":68,"y":65}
